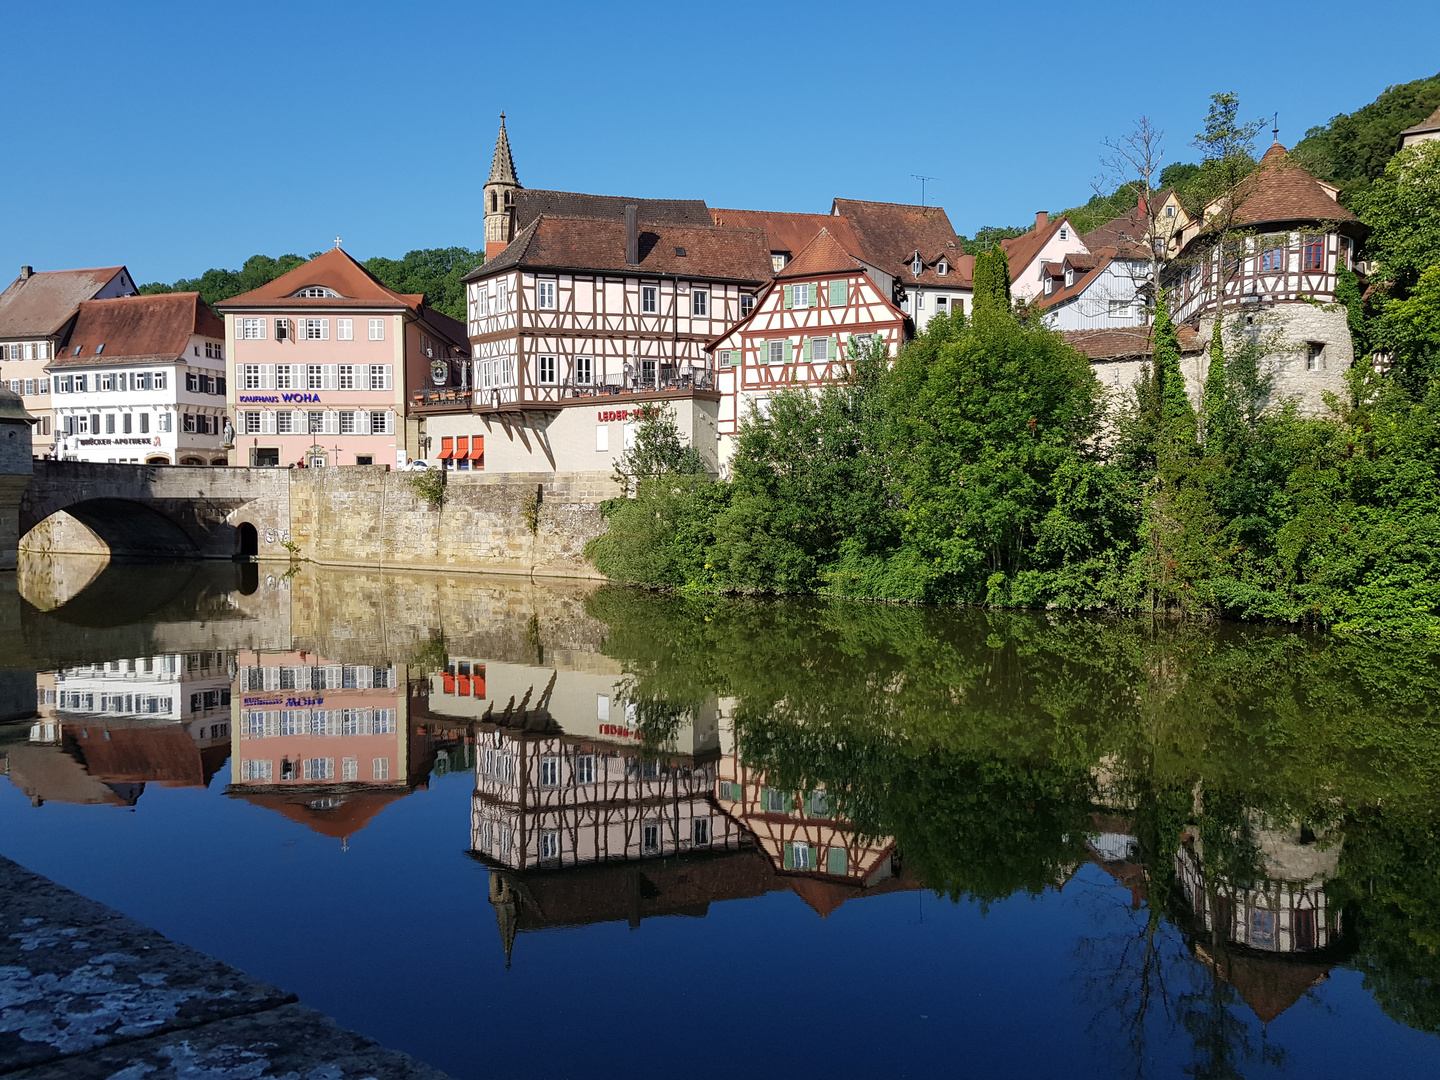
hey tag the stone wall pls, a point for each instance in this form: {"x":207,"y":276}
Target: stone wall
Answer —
{"x":1285,"y":332}
{"x":495,"y":522}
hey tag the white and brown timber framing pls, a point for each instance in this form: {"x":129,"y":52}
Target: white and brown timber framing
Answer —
{"x":823,"y":295}
{"x":562,"y":290}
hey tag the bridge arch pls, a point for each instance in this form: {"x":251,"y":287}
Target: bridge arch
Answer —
{"x":122,"y":528}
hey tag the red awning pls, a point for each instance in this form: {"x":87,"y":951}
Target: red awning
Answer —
{"x":477,"y":448}
{"x":447,"y":448}
{"x":464,"y":681}
{"x":462,"y":447}
{"x":448,"y":681}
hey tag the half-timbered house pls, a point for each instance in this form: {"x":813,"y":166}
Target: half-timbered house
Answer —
{"x":803,"y":331}
{"x":1272,"y":272}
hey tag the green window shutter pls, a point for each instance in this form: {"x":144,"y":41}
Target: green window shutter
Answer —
{"x":805,"y":350}
{"x":789,"y":351}
{"x":832,"y":349}
{"x":835,"y":861}
{"x":837,"y":292}
{"x":789,"y":856}
{"x":789,"y":296}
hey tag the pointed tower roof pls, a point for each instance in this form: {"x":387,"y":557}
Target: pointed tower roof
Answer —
{"x":502,"y":165}
{"x":1281,"y":190}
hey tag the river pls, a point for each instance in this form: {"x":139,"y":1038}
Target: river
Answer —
{"x":557,"y":829}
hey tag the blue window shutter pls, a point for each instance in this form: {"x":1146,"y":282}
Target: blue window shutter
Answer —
{"x":789,"y":296}
{"x":789,"y":856}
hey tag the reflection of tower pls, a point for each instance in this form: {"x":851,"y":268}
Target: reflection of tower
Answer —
{"x":502,"y":899}
{"x":499,"y":195}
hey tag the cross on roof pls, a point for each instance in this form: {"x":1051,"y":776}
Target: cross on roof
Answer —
{"x":337,"y":241}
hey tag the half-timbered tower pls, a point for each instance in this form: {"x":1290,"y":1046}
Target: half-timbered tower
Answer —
{"x":803,"y":332}
{"x":1272,"y":271}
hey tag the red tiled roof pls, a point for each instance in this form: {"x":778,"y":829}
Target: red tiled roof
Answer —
{"x":1097,"y":264}
{"x":336,"y":270}
{"x":1020,"y":251}
{"x":136,"y":753}
{"x":1125,"y":342}
{"x":336,"y":814}
{"x":531,"y":203}
{"x":587,"y":244}
{"x":791,"y":232}
{"x":130,"y":327}
{"x":891,"y":233}
{"x":1280,"y":190}
{"x":1126,"y":233}
{"x":823,"y":255}
{"x":42,"y":303}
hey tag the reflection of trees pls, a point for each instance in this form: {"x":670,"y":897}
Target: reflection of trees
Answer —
{"x":982,"y":742}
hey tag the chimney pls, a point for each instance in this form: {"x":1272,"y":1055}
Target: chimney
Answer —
{"x":632,"y":235}
{"x":25,"y":272}
{"x":1142,"y":210}
{"x":1042,"y":218}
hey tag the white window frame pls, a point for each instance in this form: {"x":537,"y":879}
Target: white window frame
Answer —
{"x":344,"y":329}
{"x":377,"y":329}
{"x":550,"y":770}
{"x":824,"y":343}
{"x":317,"y":329}
{"x":545,"y":295}
{"x":775,"y":351}
{"x":584,"y":370}
{"x":546,"y":368}
{"x":382,"y":377}
{"x":700,"y":303}
{"x":251,"y":329}
{"x":800,"y":295}
{"x":649,"y":299}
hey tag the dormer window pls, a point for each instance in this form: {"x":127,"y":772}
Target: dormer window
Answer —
{"x":916,"y":266}
{"x":99,"y":348}
{"x":1069,"y":277}
{"x":942,"y":269}
{"x":778,"y":259}
{"x":1049,"y":285}
{"x":318,"y":292}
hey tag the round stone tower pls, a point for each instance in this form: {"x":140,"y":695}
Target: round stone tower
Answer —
{"x":499,"y":195}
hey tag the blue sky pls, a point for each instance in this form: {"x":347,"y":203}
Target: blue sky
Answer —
{"x":175,"y":137}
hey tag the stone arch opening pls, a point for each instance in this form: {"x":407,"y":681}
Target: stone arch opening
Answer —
{"x":118,"y":528}
{"x":157,"y":459}
{"x":247,"y":542}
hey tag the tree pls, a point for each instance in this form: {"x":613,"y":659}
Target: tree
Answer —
{"x":1402,"y":209}
{"x":1213,"y":402}
{"x":992,"y":283}
{"x":659,"y":450}
{"x":437,"y":273}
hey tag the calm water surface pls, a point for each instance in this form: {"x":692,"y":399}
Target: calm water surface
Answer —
{"x":544,"y":829}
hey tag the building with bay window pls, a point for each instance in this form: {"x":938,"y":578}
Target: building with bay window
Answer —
{"x":141,"y":379}
{"x":319,"y":362}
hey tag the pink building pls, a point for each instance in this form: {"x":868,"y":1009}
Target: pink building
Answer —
{"x":319,"y":362}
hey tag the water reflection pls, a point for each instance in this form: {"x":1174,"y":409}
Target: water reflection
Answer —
{"x":1258,"y":809}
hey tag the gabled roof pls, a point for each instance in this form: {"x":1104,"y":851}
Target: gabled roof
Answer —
{"x":1126,"y":233}
{"x":1127,"y":342}
{"x":337,"y":814}
{"x":823,"y":255}
{"x":891,"y":233}
{"x":42,"y":303}
{"x":587,"y":244}
{"x":788,"y":231}
{"x":1093,"y":266}
{"x":1280,"y":190}
{"x":1020,"y":251}
{"x":136,"y":327}
{"x":531,"y":204}
{"x":335,"y":270}
{"x":1425,"y":126}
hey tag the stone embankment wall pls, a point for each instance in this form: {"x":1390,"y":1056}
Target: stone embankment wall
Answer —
{"x":506,"y":523}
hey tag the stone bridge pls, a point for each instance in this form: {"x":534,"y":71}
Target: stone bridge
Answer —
{"x":141,"y":510}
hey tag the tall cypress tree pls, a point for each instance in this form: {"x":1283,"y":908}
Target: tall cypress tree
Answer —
{"x":1177,"y":415}
{"x":1212,"y":403}
{"x":992,"y":283}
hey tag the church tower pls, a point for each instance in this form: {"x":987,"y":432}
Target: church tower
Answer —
{"x":500,"y":196}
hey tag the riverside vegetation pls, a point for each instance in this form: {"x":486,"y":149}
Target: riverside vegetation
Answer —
{"x":984,"y":466}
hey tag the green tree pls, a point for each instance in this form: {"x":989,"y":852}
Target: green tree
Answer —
{"x":1402,"y":209}
{"x":992,"y":283}
{"x":436,"y":273}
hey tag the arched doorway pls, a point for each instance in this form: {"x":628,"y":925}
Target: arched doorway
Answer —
{"x":191,"y":461}
{"x":220,"y":461}
{"x":157,"y":459}
{"x":247,"y":542}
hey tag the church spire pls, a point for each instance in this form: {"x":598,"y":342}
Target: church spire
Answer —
{"x":502,"y":165}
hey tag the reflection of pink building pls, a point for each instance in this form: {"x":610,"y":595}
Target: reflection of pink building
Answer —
{"x":319,"y":360}
{"x":322,"y":743}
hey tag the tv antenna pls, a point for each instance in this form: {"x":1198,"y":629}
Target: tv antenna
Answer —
{"x":922,"y":180}
{"x":1275,"y":130}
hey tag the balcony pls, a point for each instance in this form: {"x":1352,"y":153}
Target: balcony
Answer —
{"x":514,"y":399}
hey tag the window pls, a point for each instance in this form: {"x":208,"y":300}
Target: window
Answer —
{"x":801,"y":295}
{"x":650,"y":836}
{"x":941,"y":304}
{"x":797,"y":856}
{"x":157,"y":381}
{"x":747,"y":305}
{"x":1064,"y":234}
{"x":774,"y":801}
{"x":942,"y":268}
{"x":777,"y":351}
{"x":350,"y":769}
{"x":700,"y":831}
{"x":317,"y":329}
{"x":916,"y":266}
{"x":29,"y":386}
{"x":550,"y":844}
{"x":649,"y":299}
{"x":585,"y":769}
{"x":344,"y":329}
{"x":819,"y":350}
{"x":1272,"y":259}
{"x":838,"y":289}
{"x":380,"y":768}
{"x":1314,"y":255}
{"x":381,"y":377}
{"x":549,"y":771}
{"x":1049,"y":285}
{"x":192,"y":383}
{"x":320,"y":768}
{"x":1262,"y":928}
{"x":377,"y":329}
{"x":835,"y":861}
{"x":110,"y":423}
{"x":547,"y":370}
{"x":1120,"y":309}
{"x":382,"y":423}
{"x":731,"y":791}
{"x":819,"y":804}
{"x":584,"y":371}
{"x":700,"y":303}
{"x":126,"y":421}
{"x":1314,"y":356}
{"x":502,"y":298}
{"x":347,"y":377}
{"x":1069,"y":277}
{"x":723,"y":357}
{"x":347,"y":423}
{"x":257,"y":770}
{"x":1344,"y":257}
{"x":778,"y":259}
{"x":1169,"y":211}
{"x":144,"y":423}
{"x":317,"y":292}
{"x":545,"y":295}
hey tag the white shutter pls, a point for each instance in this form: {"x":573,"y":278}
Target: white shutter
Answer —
{"x":267,"y":422}
{"x":271,"y":678}
{"x":267,"y":376}
{"x":389,"y":377}
{"x":362,"y":422}
{"x":324,"y":329}
{"x":332,"y":423}
{"x":331,"y":373}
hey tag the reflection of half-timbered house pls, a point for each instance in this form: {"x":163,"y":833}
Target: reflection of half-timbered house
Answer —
{"x":1273,"y":268}
{"x":801,"y":335}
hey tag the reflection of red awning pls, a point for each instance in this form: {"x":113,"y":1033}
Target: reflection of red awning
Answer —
{"x":447,"y":448}
{"x":477,"y":448}
{"x":464,"y":681}
{"x":448,"y":681}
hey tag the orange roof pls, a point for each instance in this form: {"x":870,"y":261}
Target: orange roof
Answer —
{"x":135,"y":753}
{"x":788,"y":231}
{"x":1127,"y":341}
{"x":1020,"y":251}
{"x":132,"y":327}
{"x":891,"y":233}
{"x":336,"y":814}
{"x":1280,"y":190}
{"x":41,"y":304}
{"x":823,"y":255}
{"x":334,"y":270}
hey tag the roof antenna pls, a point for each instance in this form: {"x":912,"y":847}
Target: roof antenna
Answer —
{"x":922,"y":180}
{"x":1276,"y":129}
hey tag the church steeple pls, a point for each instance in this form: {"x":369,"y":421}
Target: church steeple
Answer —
{"x":499,"y":195}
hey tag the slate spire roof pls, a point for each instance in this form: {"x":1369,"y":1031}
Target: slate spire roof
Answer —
{"x":502,"y":165}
